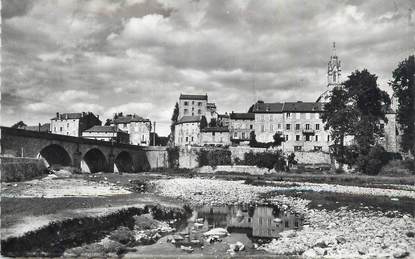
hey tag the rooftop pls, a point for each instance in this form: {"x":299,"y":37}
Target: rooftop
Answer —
{"x":129,"y":118}
{"x":261,"y":107}
{"x":103,"y":129}
{"x":215,"y":129}
{"x":242,"y":116}
{"x":189,"y":119}
{"x":193,"y":97}
{"x":72,"y":115}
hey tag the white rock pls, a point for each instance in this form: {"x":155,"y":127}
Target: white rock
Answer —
{"x":217,"y":232}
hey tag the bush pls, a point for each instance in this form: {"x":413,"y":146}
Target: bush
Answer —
{"x":173,"y":157}
{"x":372,"y":163}
{"x":267,"y":160}
{"x":214,"y":157}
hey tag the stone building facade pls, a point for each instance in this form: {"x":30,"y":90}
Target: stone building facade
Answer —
{"x":73,"y":124}
{"x":192,"y":105}
{"x":187,"y":131}
{"x":215,"y":136}
{"x":107,"y":133}
{"x":298,"y":122}
{"x":137,"y":127}
{"x":240,"y":127}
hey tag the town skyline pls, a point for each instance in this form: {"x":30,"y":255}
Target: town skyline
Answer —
{"x":108,"y":57}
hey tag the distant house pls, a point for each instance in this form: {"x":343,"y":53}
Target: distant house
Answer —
{"x":107,"y":133}
{"x":224,"y":119}
{"x":40,"y":128}
{"x":193,"y":105}
{"x":187,"y":131}
{"x":138,"y":127}
{"x":240,"y":126}
{"x":73,"y":124}
{"x":215,"y":136}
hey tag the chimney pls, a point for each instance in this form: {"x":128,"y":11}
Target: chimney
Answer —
{"x":57,"y":115}
{"x":39,"y":126}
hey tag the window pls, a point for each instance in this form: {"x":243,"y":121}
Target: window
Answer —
{"x":307,"y":126}
{"x":187,"y":139}
{"x":288,"y":126}
{"x":316,"y":137}
{"x":307,"y":137}
{"x":328,"y":138}
{"x":193,"y":102}
{"x":54,"y":129}
{"x":199,"y":111}
{"x":297,"y":137}
{"x":199,"y":104}
{"x":286,"y":137}
{"x":235,"y":134}
{"x":243,"y":135}
{"x":67,"y":133}
{"x":192,"y":139}
{"x":60,"y":129}
{"x":297,"y":126}
{"x":193,"y":114}
{"x":186,"y":103}
{"x":297,"y":148}
{"x":251,"y":126}
{"x":262,"y":128}
{"x":317,"y":126}
{"x":67,"y":125}
{"x":279,"y":125}
{"x":286,"y":223}
{"x":288,"y":115}
{"x":193,"y":108}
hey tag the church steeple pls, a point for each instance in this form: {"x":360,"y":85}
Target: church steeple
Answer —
{"x":333,"y":69}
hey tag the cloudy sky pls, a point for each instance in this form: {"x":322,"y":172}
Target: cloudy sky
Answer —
{"x":137,"y":56}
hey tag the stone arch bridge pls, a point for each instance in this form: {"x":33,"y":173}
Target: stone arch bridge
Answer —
{"x":88,"y":155}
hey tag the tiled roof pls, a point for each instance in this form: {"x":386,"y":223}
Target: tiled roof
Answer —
{"x":43,"y":128}
{"x":267,"y":107}
{"x":188,"y":119}
{"x":288,"y":107}
{"x":215,"y":129}
{"x":303,"y":107}
{"x":69,"y":116}
{"x":223,"y":115}
{"x":103,"y":129}
{"x":193,"y":97}
{"x":129,"y":118}
{"x":242,"y":116}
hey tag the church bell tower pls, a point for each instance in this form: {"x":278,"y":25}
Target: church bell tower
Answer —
{"x":333,"y":70}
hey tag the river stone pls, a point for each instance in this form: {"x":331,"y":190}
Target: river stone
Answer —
{"x":217,"y":232}
{"x":400,"y":253}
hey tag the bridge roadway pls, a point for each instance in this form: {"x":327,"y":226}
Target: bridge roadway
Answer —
{"x":85,"y":154}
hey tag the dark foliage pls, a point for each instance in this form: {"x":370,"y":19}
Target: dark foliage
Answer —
{"x":267,"y":160}
{"x":19,"y":124}
{"x":173,"y":156}
{"x":203,"y":123}
{"x":214,"y":157}
{"x":403,"y":85}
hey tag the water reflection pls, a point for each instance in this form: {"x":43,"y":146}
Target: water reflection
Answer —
{"x":255,"y":221}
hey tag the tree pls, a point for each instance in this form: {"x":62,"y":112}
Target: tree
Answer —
{"x":213,"y":123}
{"x":108,"y":122}
{"x":356,"y":110}
{"x":252,"y":139}
{"x":278,"y":139}
{"x":339,"y":116}
{"x":403,"y":85}
{"x":203,"y":123}
{"x":18,"y":125}
{"x":174,"y":117}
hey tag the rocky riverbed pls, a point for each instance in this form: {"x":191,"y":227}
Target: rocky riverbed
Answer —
{"x":338,"y":233}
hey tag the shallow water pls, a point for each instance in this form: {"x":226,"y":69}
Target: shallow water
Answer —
{"x":251,"y":225}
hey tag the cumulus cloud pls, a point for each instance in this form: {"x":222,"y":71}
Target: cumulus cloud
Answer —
{"x":137,"y":56}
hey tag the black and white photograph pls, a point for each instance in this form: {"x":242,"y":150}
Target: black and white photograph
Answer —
{"x":207,"y":129}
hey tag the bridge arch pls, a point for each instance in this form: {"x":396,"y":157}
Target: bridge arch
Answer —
{"x":94,"y":161}
{"x":55,"y":155}
{"x":123,"y":162}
